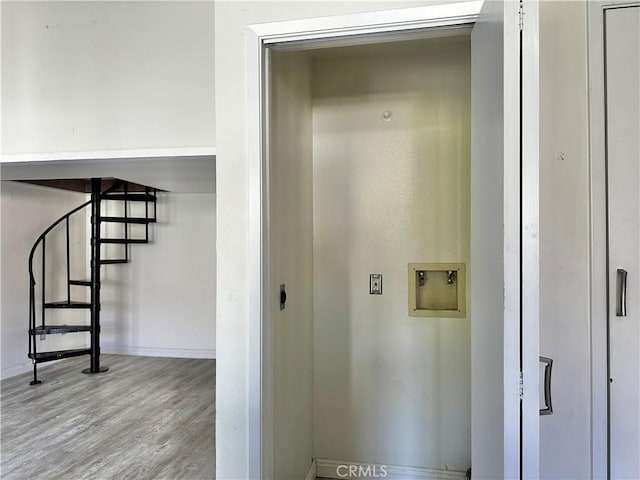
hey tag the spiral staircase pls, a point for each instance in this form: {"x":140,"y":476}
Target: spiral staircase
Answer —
{"x":103,"y":191}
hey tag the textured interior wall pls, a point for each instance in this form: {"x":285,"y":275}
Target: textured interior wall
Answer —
{"x":162,"y":303}
{"x":107,"y":75}
{"x":389,"y":388}
{"x":291,"y":216}
{"x":26,"y":211}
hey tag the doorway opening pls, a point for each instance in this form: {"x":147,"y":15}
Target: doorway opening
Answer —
{"x":304,"y":211}
{"x":369,"y":170}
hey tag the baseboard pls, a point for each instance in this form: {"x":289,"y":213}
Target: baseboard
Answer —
{"x":159,"y":352}
{"x":24,"y":367}
{"x":312,"y":473}
{"x":339,"y":469}
{"x":13,"y":370}
{"x":27,"y":365}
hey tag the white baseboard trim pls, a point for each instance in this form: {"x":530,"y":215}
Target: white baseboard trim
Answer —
{"x":24,"y":367}
{"x":27,"y":365}
{"x":339,"y":469}
{"x":312,"y":473}
{"x":159,"y":352}
{"x":18,"y":369}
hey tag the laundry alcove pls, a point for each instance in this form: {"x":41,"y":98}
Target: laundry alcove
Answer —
{"x":379,"y":144}
{"x":377,"y":139}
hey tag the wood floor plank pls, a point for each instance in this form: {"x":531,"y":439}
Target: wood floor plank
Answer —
{"x":146,"y":418}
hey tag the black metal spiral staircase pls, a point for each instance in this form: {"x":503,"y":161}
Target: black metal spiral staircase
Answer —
{"x":101,"y":190}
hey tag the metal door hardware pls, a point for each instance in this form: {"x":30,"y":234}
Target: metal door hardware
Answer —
{"x":621,"y":304}
{"x":548,"y":407}
{"x":283,"y":296}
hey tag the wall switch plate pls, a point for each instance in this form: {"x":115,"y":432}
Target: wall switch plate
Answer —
{"x":375,"y":284}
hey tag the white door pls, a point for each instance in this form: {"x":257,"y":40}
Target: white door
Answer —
{"x":504,"y":241}
{"x":622,"y":50}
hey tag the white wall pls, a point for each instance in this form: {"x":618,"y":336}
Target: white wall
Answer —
{"x":27,"y":210}
{"x":234,"y":404}
{"x":162,"y":303}
{"x":291,"y":264}
{"x":107,"y":75}
{"x":85,"y":76}
{"x":389,"y":388}
{"x":564,"y":238}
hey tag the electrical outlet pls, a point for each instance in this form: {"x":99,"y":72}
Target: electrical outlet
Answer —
{"x":375,"y":284}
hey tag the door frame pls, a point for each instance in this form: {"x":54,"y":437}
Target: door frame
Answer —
{"x":354,"y":29}
{"x":599,"y":287}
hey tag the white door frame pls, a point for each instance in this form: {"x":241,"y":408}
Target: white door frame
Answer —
{"x":598,"y":247}
{"x":343,"y":29}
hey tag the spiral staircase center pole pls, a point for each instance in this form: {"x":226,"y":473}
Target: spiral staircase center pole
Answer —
{"x":96,"y":191}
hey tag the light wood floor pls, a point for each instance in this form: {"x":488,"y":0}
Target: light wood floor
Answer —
{"x":146,"y":418}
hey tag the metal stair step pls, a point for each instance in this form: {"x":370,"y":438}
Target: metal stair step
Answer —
{"x":132,"y":197}
{"x":113,"y":261}
{"x":81,"y":283}
{"x":41,"y":357}
{"x":124,"y":241}
{"x":53,"y":329}
{"x":140,"y":220}
{"x":66,"y":304}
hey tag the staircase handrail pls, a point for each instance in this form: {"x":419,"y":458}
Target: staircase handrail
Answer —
{"x":54,"y":224}
{"x":44,"y":234}
{"x":32,"y":280}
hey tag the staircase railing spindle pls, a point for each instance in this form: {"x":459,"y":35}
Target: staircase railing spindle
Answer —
{"x":68,"y":266}
{"x":44,"y":248}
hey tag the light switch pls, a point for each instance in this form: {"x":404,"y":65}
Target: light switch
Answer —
{"x":375,"y":284}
